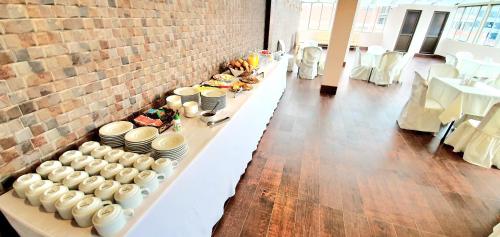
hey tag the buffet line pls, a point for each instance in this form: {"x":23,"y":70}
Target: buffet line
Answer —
{"x":101,"y":183}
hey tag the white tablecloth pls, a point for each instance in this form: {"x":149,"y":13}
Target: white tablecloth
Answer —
{"x":458,"y":100}
{"x":190,"y":201}
{"x":479,"y":68}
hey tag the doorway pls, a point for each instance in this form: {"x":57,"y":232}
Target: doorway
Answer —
{"x":434,"y":32}
{"x":407,"y":30}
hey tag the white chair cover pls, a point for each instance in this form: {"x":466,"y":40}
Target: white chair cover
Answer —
{"x":466,"y":64}
{"x":396,"y":73}
{"x":442,"y":70}
{"x":308,"y":66}
{"x":361,"y":68}
{"x":414,"y":115}
{"x":489,"y":70}
{"x":451,"y":59}
{"x":461,"y":136}
{"x":382,"y":74}
{"x":495,"y":82}
{"x":484,"y":146}
{"x":480,"y":141}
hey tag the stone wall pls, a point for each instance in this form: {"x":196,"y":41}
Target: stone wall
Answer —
{"x":285,"y":16}
{"x":70,"y":66}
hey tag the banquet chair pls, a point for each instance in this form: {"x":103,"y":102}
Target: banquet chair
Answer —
{"x":361,"y":68}
{"x":396,"y":73}
{"x":415,"y":116}
{"x":308,"y":65}
{"x":442,"y":70}
{"x":490,"y":71}
{"x":451,"y":60}
{"x":381,"y":75}
{"x":466,"y":64}
{"x":479,"y":140}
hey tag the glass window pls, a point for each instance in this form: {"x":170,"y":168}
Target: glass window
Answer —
{"x":304,"y":16}
{"x":456,"y":22}
{"x":316,"y":15}
{"x":461,"y":33}
{"x":370,"y":18}
{"x":490,"y":30}
{"x":476,"y":23}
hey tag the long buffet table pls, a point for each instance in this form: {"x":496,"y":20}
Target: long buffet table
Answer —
{"x":190,"y":201}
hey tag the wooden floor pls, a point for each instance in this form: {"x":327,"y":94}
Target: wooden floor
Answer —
{"x":340,"y":166}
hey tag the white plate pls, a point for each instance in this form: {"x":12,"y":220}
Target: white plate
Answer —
{"x":213,"y":93}
{"x":116,"y":128}
{"x":185,"y":91}
{"x":141,"y":134}
{"x":168,"y":142}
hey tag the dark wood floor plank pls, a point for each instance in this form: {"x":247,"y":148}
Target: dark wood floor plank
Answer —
{"x":381,"y":229}
{"x":331,"y":222}
{"x":403,"y":231}
{"x":257,"y":220}
{"x":282,"y":221}
{"x":356,"y":225}
{"x":307,"y":217}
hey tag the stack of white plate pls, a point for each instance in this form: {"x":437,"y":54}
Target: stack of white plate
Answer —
{"x":139,"y":140}
{"x":210,"y":98}
{"x":171,"y":146}
{"x":113,"y":134}
{"x":188,"y":94}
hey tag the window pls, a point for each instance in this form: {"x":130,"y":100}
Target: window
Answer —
{"x":491,"y":28}
{"x":317,"y":15}
{"x":477,"y":25}
{"x":371,"y":18}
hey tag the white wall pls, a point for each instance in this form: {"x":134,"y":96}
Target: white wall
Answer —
{"x":395,"y":20}
{"x":365,"y":38}
{"x":449,"y":46}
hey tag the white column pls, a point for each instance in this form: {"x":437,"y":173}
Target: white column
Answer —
{"x":339,"y":41}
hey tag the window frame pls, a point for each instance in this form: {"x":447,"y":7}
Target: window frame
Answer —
{"x":321,"y":15}
{"x":461,"y":17}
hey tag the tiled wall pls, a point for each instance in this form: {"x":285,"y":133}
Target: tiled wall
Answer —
{"x":70,"y":66}
{"x":285,"y":15}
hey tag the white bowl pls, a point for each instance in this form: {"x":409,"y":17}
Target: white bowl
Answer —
{"x":141,"y":134}
{"x":213,"y":93}
{"x":185,"y":91}
{"x":168,"y":142}
{"x":116,"y":128}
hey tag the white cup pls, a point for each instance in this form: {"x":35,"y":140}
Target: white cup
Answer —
{"x":69,"y":156}
{"x":23,"y":182}
{"x":143,"y":162}
{"x":174,"y":102}
{"x":126,"y":175}
{"x":85,"y":209}
{"x":110,"y":170}
{"x":66,"y":202}
{"x":130,"y":195}
{"x":74,"y":179}
{"x":164,"y":166}
{"x":50,"y":196}
{"x":128,"y":159}
{"x":149,"y":180}
{"x":100,"y":152}
{"x":95,"y":166}
{"x":80,"y":162}
{"x":114,"y":155}
{"x":107,"y":189}
{"x":36,"y":189}
{"x":60,"y":173}
{"x":88,"y":185}
{"x":87,"y":147}
{"x":48,"y":166}
{"x":109,"y":220}
{"x":190,"y":109}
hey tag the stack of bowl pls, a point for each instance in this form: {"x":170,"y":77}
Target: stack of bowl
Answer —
{"x":210,"y":98}
{"x":139,"y":140}
{"x":113,"y":134}
{"x":171,"y":146}
{"x":188,"y":94}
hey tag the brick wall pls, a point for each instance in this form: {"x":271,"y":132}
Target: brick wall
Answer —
{"x":70,"y":66}
{"x":285,"y":16}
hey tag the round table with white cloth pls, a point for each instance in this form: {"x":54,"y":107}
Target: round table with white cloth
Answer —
{"x":458,"y":99}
